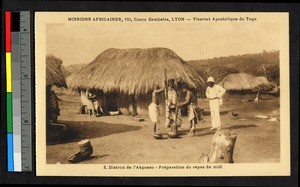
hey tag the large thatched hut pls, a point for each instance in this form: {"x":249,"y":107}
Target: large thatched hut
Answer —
{"x":124,"y":75}
{"x":54,"y":76}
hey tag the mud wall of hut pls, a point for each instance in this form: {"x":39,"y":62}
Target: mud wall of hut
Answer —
{"x":142,"y":102}
{"x":130,"y":105}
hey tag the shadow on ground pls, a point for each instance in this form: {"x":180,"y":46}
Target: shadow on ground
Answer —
{"x":88,"y":129}
{"x":207,"y":113}
{"x":206,"y":131}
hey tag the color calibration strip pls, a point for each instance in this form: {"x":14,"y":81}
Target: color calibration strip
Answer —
{"x":18,"y":91}
{"x":9,"y":109}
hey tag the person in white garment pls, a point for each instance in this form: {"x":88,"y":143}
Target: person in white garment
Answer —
{"x":214,"y":93}
{"x":90,"y":104}
{"x":154,"y":107}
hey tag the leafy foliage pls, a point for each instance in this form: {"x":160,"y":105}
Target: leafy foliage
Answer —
{"x":272,"y":73}
{"x":264,"y":88}
{"x":220,"y":72}
{"x":261,"y":64}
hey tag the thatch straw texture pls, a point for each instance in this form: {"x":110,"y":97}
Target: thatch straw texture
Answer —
{"x":242,"y":81}
{"x":54,"y":73}
{"x":134,"y":71}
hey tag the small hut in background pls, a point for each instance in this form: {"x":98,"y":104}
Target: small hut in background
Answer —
{"x":54,"y":76}
{"x":245,"y":84}
{"x":126,"y":77}
{"x":242,"y":82}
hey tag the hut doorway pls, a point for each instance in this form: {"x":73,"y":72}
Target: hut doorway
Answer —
{"x":112,"y":102}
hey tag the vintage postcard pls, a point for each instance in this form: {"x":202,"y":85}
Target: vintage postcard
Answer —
{"x":162,"y":94}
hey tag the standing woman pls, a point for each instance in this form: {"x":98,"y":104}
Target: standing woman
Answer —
{"x":190,"y":102}
{"x":171,"y":101}
{"x":214,"y":93}
{"x":90,"y":105}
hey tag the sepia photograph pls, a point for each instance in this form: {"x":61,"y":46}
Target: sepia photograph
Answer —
{"x":162,"y":94}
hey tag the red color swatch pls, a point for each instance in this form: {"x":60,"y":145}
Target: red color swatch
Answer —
{"x":8,"y":31}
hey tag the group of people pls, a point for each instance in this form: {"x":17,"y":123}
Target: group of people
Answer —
{"x":92,"y":103}
{"x":214,"y":93}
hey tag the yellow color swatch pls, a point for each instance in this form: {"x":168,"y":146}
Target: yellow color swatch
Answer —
{"x":8,"y":72}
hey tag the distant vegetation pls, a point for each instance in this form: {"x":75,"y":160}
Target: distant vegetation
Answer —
{"x":67,"y":70}
{"x":264,"y":88}
{"x":272,"y":74}
{"x":262,"y":64}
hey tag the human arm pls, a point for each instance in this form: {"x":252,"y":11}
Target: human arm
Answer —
{"x":221,"y":91}
{"x":207,"y":93}
{"x":158,"y":91}
{"x":187,"y":100}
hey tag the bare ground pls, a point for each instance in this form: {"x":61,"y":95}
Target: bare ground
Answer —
{"x":122,"y":139}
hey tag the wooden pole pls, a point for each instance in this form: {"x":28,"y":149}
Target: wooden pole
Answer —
{"x":174,"y":127}
{"x":166,"y":85}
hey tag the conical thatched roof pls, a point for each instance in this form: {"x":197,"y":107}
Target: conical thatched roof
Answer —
{"x":54,"y":73}
{"x":242,"y":81}
{"x":134,"y":71}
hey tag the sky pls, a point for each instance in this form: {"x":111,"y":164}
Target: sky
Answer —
{"x":77,"y":43}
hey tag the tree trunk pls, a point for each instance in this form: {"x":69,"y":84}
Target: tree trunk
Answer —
{"x":222,"y":146}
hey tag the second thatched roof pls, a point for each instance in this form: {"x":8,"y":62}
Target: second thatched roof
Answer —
{"x":242,"y":81}
{"x":134,"y":71}
{"x":54,"y":73}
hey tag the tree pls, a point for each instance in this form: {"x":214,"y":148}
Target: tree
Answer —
{"x":273,"y":73}
{"x":221,"y":148}
{"x":219,"y":72}
{"x":54,"y":59}
{"x":264,"y":88}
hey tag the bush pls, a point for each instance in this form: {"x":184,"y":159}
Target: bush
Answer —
{"x":273,"y":73}
{"x":264,"y":88}
{"x":219,"y":72}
